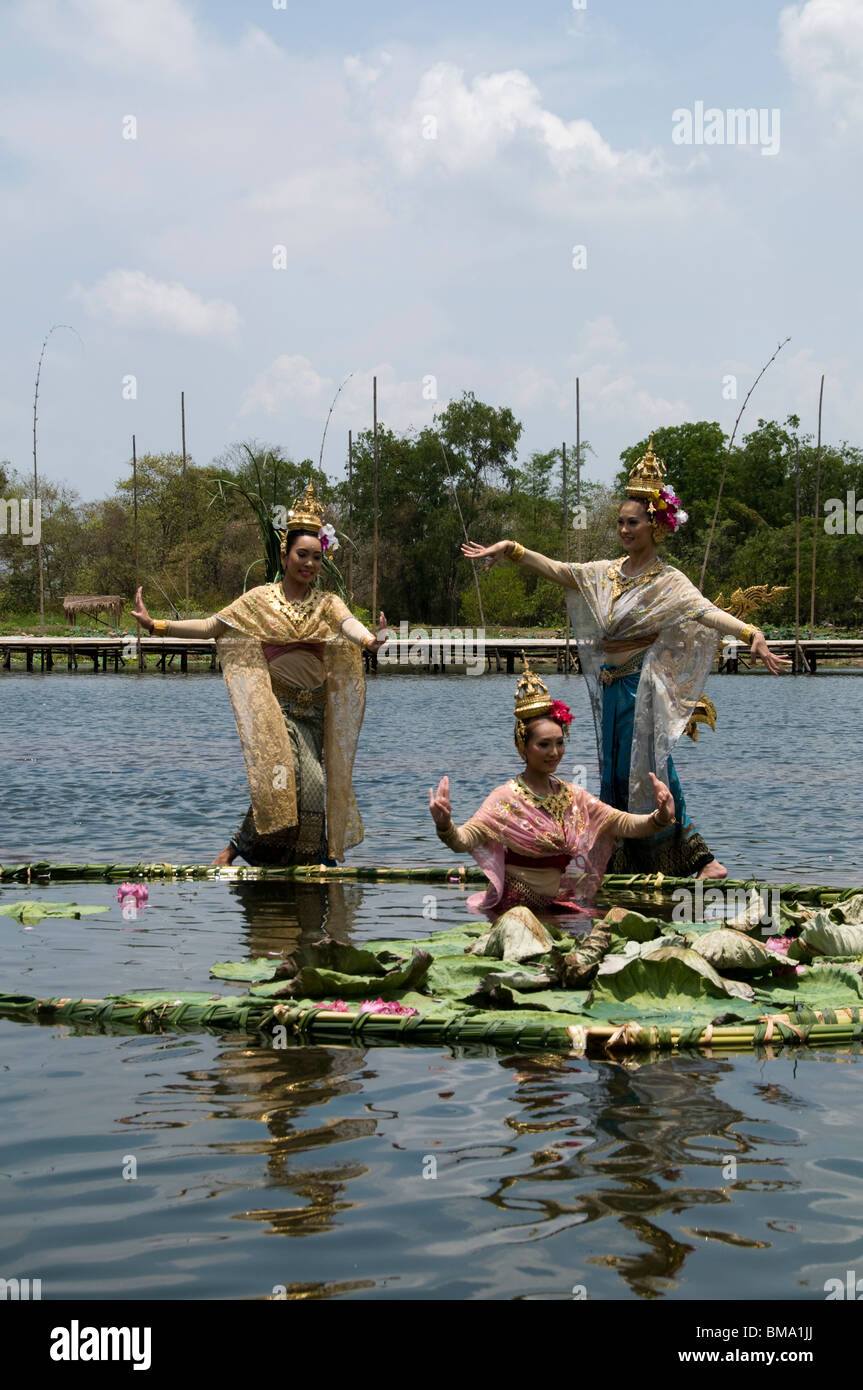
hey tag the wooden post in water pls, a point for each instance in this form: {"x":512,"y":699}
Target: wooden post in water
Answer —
{"x":578,"y":459}
{"x":374,"y":617}
{"x":36,"y":494}
{"x":351,"y":518}
{"x":140,"y":649}
{"x":565,"y":556}
{"x":817,"y":505}
{"x":798,"y":664}
{"x":185,"y":499}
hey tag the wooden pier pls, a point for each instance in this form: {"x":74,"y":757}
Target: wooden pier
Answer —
{"x":495,"y":654}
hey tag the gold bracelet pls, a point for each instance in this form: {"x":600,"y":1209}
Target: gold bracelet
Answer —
{"x":514,"y":552}
{"x":747,"y":632}
{"x":159,"y":628}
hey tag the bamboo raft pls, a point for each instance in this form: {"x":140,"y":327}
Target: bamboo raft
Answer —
{"x":647,"y":887}
{"x":151,"y":1012}
{"x":275,"y":1022}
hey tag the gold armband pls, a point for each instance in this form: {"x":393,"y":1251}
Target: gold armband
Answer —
{"x":368,"y":642}
{"x":159,"y":628}
{"x":514,"y":552}
{"x":747,"y":632}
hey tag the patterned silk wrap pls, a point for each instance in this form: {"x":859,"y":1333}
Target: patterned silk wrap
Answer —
{"x":264,"y":615}
{"x":676,"y":665}
{"x":512,"y":822}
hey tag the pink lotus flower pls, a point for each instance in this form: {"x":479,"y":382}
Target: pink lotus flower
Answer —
{"x":138,"y":892}
{"x":377,"y":1006}
{"x":370,"y":1006}
{"x":779,"y":944}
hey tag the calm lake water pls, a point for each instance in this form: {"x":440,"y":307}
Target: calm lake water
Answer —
{"x":397,"y":1172}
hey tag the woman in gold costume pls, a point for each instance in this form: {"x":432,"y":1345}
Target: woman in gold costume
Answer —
{"x":646,"y":643}
{"x":291,"y":657}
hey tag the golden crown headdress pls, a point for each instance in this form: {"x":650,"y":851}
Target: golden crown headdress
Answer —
{"x":307,"y":514}
{"x":531,"y":695}
{"x":532,"y":700}
{"x":646,"y":475}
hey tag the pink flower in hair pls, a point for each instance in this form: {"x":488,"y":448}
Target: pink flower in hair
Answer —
{"x":561,"y":713}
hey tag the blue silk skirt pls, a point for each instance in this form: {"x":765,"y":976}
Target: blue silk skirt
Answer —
{"x":677,"y":849}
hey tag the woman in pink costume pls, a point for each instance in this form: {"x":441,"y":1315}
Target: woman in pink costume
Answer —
{"x":542,"y":842}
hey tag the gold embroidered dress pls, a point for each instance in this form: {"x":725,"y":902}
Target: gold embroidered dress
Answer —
{"x":295,"y":679}
{"x":646,"y":645}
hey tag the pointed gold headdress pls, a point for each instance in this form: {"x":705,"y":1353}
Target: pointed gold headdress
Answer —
{"x":532,"y":700}
{"x":307,"y":514}
{"x":646,"y":476}
{"x":646,"y":485}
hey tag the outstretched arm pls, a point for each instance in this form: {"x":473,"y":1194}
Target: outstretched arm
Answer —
{"x":623,"y":825}
{"x":723,"y":622}
{"x":193,"y":627}
{"x":460,"y":838}
{"x":555,"y":570}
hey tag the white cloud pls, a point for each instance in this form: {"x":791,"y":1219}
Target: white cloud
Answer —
{"x":287,"y":380}
{"x":363,"y":74}
{"x":822,"y":45}
{"x":292,"y":381}
{"x":463,"y":126}
{"x":146,"y":36}
{"x":130,"y":297}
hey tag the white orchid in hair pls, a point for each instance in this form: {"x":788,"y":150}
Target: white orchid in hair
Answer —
{"x":327,"y":538}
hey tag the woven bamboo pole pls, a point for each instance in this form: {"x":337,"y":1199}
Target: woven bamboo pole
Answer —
{"x":318,"y":1023}
{"x":655,"y":886}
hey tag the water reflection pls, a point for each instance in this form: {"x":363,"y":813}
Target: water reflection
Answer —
{"x":280,"y":916}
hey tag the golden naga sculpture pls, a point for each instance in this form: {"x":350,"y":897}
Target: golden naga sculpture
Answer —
{"x":743,"y":603}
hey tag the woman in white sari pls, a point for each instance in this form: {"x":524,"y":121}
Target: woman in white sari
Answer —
{"x":646,"y":639}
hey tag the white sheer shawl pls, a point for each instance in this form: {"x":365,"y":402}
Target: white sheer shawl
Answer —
{"x":676,"y":664}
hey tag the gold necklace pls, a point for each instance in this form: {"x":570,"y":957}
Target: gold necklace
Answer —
{"x":296,"y":608}
{"x":555,"y":804}
{"x":621,"y":583}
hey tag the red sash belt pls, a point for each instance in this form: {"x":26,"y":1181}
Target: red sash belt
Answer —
{"x":530,"y":861}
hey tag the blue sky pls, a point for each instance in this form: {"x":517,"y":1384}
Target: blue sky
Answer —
{"x":428,"y":170}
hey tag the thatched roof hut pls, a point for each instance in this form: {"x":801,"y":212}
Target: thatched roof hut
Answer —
{"x":92,"y":604}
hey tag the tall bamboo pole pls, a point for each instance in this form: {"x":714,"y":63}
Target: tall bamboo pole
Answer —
{"x":375,"y":505}
{"x":578,"y":460}
{"x":816,"y":518}
{"x":185,"y":500}
{"x":797,"y":661}
{"x":140,"y":649}
{"x":565,"y":555}
{"x":728,"y":457}
{"x":52,"y":329}
{"x":351,"y":517}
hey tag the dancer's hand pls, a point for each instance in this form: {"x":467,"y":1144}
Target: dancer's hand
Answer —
{"x":490,"y":553}
{"x":758,"y":648}
{"x":664,"y":801}
{"x":140,"y":612}
{"x":380,"y":640}
{"x":439,"y":804}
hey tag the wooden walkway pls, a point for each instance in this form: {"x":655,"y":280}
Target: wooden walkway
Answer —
{"x":497,"y":653}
